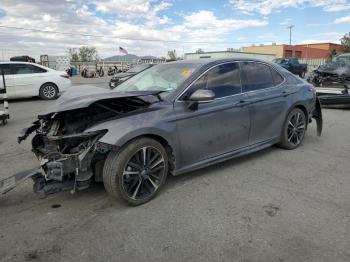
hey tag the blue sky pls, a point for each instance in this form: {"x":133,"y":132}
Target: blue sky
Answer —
{"x":210,"y":25}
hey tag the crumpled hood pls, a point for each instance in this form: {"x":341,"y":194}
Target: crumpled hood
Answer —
{"x":83,"y":96}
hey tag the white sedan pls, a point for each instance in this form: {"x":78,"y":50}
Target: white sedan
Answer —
{"x":29,"y":79}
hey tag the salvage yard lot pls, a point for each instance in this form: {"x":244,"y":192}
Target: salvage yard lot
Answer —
{"x":274,"y":205}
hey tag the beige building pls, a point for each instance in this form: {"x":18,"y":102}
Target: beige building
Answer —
{"x":320,"y":50}
{"x":274,"y":49}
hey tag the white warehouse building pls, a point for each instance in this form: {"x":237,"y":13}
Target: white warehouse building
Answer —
{"x":230,"y":54}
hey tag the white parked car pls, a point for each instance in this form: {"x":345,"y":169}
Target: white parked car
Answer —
{"x":29,"y":79}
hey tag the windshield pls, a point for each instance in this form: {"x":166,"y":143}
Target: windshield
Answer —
{"x":163,"y":77}
{"x":138,"y":68}
{"x":342,"y":60}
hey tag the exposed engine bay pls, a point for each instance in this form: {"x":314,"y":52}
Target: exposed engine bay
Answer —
{"x":69,"y":156}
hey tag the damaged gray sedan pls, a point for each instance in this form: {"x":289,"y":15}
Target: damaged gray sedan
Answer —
{"x":170,"y":119}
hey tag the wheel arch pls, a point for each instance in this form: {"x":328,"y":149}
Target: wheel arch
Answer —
{"x":300,"y":106}
{"x":165,"y":143}
{"x":303,"y":108}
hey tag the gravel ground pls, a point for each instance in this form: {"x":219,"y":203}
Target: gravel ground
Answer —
{"x":274,"y":205}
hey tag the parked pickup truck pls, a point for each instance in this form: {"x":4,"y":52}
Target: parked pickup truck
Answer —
{"x":292,"y":65}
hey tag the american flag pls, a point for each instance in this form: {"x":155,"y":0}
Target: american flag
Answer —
{"x":123,"y":50}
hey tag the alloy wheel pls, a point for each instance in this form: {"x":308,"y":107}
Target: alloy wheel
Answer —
{"x":49,"y":91}
{"x":143,"y":173}
{"x":296,"y":128}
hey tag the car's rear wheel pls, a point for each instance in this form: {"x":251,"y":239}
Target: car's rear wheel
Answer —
{"x":302,"y":74}
{"x":48,"y":91}
{"x":137,"y":172}
{"x":294,"y":129}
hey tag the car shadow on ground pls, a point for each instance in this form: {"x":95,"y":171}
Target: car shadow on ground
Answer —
{"x":174,"y":182}
{"x":27,"y":99}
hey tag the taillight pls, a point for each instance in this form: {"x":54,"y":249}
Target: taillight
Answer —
{"x":65,"y":76}
{"x":311,"y":88}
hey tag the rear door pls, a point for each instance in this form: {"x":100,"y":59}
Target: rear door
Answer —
{"x":266,"y":98}
{"x":27,"y":78}
{"x":9,"y":81}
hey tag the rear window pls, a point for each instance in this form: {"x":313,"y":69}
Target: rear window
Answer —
{"x":277,"y":78}
{"x":256,"y":76}
{"x":37,"y":69}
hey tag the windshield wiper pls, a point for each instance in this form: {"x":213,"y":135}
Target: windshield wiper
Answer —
{"x":158,"y":94}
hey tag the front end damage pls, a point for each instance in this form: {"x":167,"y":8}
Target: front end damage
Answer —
{"x":70,"y":156}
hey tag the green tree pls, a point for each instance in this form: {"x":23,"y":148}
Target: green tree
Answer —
{"x":83,"y":54}
{"x":345,"y":42}
{"x":88,"y":54}
{"x":172,"y":55}
{"x":73,"y":54}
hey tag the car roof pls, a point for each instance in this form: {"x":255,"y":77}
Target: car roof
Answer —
{"x":26,"y":63}
{"x":17,"y":62}
{"x":204,"y":61}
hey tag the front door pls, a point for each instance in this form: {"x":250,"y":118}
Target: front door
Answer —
{"x":215,"y":127}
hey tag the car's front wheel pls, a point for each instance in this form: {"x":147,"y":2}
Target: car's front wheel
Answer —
{"x":294,"y":129}
{"x":48,"y":91}
{"x":137,"y":172}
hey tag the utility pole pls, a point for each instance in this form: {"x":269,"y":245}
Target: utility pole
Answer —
{"x":290,"y":33}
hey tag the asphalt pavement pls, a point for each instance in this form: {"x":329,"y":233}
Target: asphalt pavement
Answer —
{"x":274,"y":205}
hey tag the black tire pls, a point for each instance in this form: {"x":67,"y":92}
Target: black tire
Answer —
{"x":125,"y":179}
{"x":302,"y":74}
{"x":48,"y":91}
{"x":294,"y":129}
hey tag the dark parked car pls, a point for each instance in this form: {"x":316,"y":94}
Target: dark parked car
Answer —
{"x":333,"y":80}
{"x":118,"y":78}
{"x":170,"y":119}
{"x":23,"y":58}
{"x":292,"y":65}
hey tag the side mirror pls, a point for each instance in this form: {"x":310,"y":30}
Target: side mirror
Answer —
{"x":200,"y":96}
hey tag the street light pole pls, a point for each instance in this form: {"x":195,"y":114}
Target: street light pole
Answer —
{"x":290,"y":33}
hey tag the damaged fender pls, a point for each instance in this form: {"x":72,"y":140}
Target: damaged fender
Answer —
{"x":317,"y":115}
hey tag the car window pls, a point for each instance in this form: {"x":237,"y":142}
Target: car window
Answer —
{"x":6,"y":68}
{"x":36,"y":69}
{"x":138,"y":68}
{"x":256,"y":76}
{"x":277,"y":78}
{"x":19,"y":69}
{"x":223,"y":80}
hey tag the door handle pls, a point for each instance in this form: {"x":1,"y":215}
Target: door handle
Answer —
{"x":285,"y":93}
{"x":243,"y":103}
